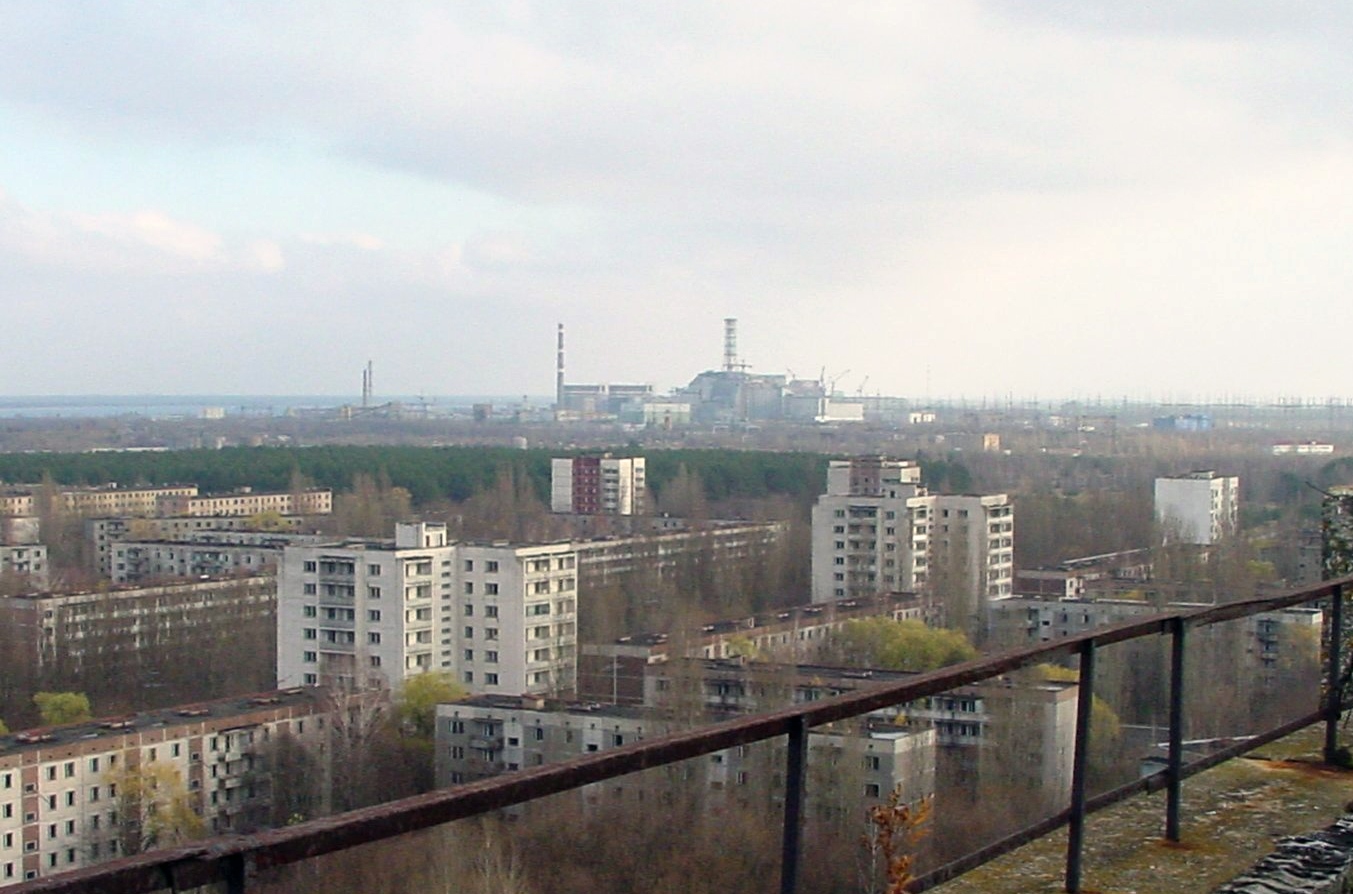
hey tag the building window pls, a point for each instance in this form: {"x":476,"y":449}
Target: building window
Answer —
{"x":469,"y":564}
{"x":491,"y":679}
{"x":469,"y":610}
{"x":469,"y":633}
{"x":469,"y":676}
{"x":469,"y":588}
{"x":310,"y":589}
{"x":491,"y":589}
{"x":309,"y":633}
{"x":373,"y":614}
{"x":490,"y":611}
{"x":373,"y":570}
{"x":310,"y":680}
{"x":490,"y":633}
{"x":309,"y":657}
{"x":373,"y":638}
{"x":308,"y":611}
{"x":491,"y":657}
{"x":311,"y":566}
{"x":373,"y":592}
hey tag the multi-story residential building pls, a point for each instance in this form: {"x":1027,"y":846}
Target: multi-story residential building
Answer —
{"x":486,"y":736}
{"x":246,"y":502}
{"x":862,"y":536}
{"x":877,"y":530}
{"x":26,"y":565}
{"x":598,"y":485}
{"x":76,"y":795}
{"x":210,"y":554}
{"x":102,"y":533}
{"x":352,"y":608}
{"x":1197,"y":507}
{"x":1269,"y":641}
{"x":112,"y":629}
{"x":615,"y":672}
{"x":122,"y":500}
{"x":500,"y":618}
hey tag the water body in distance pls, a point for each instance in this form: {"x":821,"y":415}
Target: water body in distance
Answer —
{"x":160,"y":406}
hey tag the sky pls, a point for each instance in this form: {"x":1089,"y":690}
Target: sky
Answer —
{"x":1068,"y":198}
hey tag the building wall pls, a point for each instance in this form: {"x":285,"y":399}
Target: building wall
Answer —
{"x":480,"y":738}
{"x":876,"y":530}
{"x":59,"y":804}
{"x":597,"y":485}
{"x":497,"y":617}
{"x":112,"y":626}
{"x":1199,"y":507}
{"x":28,"y":561}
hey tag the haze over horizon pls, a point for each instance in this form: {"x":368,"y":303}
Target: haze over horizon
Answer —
{"x":960,"y":199}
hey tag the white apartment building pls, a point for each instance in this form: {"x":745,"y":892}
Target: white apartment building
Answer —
{"x":215,"y":554}
{"x":502,"y":619}
{"x":61,"y":806}
{"x":1197,"y":507}
{"x":597,"y":485}
{"x":481,"y":737}
{"x":102,"y":534}
{"x":27,"y":563}
{"x":862,"y":529}
{"x":877,"y":530}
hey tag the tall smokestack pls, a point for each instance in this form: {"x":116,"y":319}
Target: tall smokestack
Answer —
{"x":366,"y":385}
{"x":730,"y":344}
{"x":559,"y":373}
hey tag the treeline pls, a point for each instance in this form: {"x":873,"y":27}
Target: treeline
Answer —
{"x":431,"y":474}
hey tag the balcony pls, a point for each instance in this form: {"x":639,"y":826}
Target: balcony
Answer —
{"x":1071,"y":857}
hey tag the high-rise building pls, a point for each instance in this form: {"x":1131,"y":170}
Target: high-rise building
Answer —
{"x":597,"y":485}
{"x":877,"y":530}
{"x":1197,"y":507}
{"x":501,"y":619}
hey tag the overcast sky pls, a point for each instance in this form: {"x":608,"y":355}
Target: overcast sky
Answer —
{"x":1029,"y":199}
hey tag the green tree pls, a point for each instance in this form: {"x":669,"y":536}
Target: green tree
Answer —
{"x":418,"y":700}
{"x":62,"y":707}
{"x":153,"y":808}
{"x":4,"y":730}
{"x":897,"y":645}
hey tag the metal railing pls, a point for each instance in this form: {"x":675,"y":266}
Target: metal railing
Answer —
{"x":234,"y":860}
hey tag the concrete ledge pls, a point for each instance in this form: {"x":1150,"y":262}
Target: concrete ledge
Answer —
{"x":1319,"y":863}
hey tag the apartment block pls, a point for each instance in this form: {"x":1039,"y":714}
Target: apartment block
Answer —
{"x":25,"y":564}
{"x":246,"y":502}
{"x":598,"y":485}
{"x":214,"y":554}
{"x":102,"y":533}
{"x":1197,"y":507}
{"x":877,"y":530}
{"x":110,"y":629}
{"x":500,"y":618}
{"x":616,"y":672}
{"x":70,"y":796}
{"x":482,"y":737}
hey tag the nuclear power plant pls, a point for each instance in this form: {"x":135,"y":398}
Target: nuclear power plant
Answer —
{"x":728,"y":395}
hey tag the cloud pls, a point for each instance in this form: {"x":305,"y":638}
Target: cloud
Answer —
{"x":912,"y":183}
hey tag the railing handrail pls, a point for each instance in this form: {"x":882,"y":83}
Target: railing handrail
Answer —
{"x":231,"y":858}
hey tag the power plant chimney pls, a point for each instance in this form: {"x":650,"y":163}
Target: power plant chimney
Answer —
{"x":730,"y":344}
{"x":367,"y":385}
{"x":559,"y":373}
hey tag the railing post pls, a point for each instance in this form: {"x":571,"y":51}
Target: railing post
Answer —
{"x":796,"y":767}
{"x":1174,"y":774}
{"x":235,"y":874}
{"x":1085,"y":697}
{"x":1335,"y":695}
